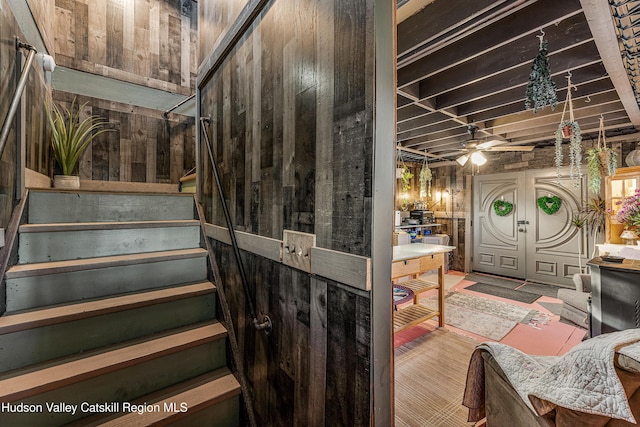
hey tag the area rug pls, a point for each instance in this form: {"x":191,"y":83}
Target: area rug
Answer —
{"x":540,"y":289}
{"x":502,"y":292}
{"x":494,"y":280}
{"x":485,"y":317}
{"x":553,"y":307}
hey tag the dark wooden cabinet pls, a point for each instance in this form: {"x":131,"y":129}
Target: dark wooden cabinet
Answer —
{"x":615,"y":295}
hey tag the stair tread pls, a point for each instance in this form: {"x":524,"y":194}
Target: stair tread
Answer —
{"x":41,"y":268}
{"x":78,"y":369}
{"x":13,"y":322}
{"x":198,"y":393}
{"x":101,"y":225}
{"x":412,"y":315}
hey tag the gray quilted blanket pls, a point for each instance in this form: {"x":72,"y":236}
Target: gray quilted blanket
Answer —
{"x":583,"y":379}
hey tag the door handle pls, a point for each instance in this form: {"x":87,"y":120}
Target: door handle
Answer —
{"x":522,"y":230}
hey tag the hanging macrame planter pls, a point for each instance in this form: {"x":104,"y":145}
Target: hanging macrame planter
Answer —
{"x":425,"y":179}
{"x":569,"y":129}
{"x":601,"y":160}
{"x":502,"y":207}
{"x":541,"y":89}
{"x":549,"y":204}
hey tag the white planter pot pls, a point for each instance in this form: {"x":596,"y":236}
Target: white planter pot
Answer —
{"x":66,"y":182}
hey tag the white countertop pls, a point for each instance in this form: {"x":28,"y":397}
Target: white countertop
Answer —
{"x":416,"y":250}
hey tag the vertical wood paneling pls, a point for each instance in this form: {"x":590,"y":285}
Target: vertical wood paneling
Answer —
{"x":128,"y":35}
{"x":113,"y":143}
{"x":97,"y":33}
{"x":324,"y":127}
{"x":320,"y":336}
{"x":115,"y":34}
{"x":144,"y":146}
{"x":154,"y":40}
{"x":318,"y":357}
{"x":81,"y":39}
{"x":36,"y":155}
{"x":147,"y":42}
{"x":294,"y":139}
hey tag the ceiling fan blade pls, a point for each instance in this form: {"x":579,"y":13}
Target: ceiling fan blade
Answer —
{"x":490,"y":143}
{"x":512,"y":148}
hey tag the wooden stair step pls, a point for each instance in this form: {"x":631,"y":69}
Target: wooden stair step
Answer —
{"x":36,"y":381}
{"x":13,"y":322}
{"x":196,"y":394}
{"x":411,"y":316}
{"x":100,"y":225}
{"x":418,"y":285}
{"x":44,"y":268}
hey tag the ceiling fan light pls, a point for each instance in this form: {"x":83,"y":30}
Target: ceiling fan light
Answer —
{"x":462,"y":160}
{"x":477,"y":158}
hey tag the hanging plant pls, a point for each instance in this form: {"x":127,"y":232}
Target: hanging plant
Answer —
{"x":549,"y":204}
{"x":541,"y":90}
{"x":425,"y":180}
{"x":502,"y":207}
{"x":601,"y":160}
{"x":406,"y":179}
{"x":569,"y":129}
{"x":575,"y":147}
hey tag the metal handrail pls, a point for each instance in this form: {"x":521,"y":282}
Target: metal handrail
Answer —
{"x":266,"y":324}
{"x":165,"y":113}
{"x":6,"y":126}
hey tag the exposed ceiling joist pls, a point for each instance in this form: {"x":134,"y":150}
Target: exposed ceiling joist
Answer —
{"x":598,"y":14}
{"x":472,"y":66}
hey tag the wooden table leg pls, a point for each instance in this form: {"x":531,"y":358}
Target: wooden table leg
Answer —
{"x":441,"y":295}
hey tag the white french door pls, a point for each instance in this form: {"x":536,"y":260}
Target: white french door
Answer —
{"x":528,"y":243}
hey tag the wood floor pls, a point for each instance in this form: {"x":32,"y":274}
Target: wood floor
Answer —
{"x":430,"y":374}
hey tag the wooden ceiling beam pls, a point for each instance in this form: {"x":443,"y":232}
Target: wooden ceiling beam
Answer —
{"x":612,"y":113}
{"x":548,"y":138}
{"x":572,"y":32}
{"x":516,"y":95}
{"x":425,"y":130}
{"x":526,"y":23}
{"x":518,"y":107}
{"x":529,"y":116}
{"x":514,"y":79}
{"x":425,"y":120}
{"x":410,"y":112}
{"x":494,"y":73}
{"x":598,"y":16}
{"x":442,"y":17}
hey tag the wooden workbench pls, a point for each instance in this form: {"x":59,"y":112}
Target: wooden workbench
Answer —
{"x":411,"y":261}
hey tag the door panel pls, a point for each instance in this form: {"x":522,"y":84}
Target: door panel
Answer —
{"x":542,"y":248}
{"x":498,"y":248}
{"x":552,"y":241}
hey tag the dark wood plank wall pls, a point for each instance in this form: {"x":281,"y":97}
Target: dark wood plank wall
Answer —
{"x":148,"y":42}
{"x":313,"y":370}
{"x":35,"y":93}
{"x":292,"y":122}
{"x":218,"y":17}
{"x":143,"y":146}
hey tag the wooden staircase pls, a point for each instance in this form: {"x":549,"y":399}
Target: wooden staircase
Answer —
{"x":110,"y":317}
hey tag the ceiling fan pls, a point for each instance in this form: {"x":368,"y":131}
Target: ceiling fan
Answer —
{"x":473,"y":148}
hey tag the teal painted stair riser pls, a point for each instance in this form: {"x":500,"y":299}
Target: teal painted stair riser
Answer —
{"x":64,"y":245}
{"x":110,"y":303}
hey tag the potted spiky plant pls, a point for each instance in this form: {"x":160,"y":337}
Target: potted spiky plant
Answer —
{"x":70,"y":137}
